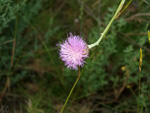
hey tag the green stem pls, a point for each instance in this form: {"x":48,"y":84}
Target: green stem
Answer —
{"x":139,"y":92}
{"x":108,"y":26}
{"x":71,"y":91}
{"x":140,"y":65}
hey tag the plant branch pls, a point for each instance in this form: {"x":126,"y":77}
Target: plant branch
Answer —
{"x":108,"y":26}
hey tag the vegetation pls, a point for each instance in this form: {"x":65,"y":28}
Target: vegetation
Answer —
{"x":33,"y":79}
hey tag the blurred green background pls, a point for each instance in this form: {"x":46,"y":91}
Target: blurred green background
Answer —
{"x":33,"y":79}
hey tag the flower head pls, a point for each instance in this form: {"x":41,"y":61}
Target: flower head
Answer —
{"x":73,"y":51}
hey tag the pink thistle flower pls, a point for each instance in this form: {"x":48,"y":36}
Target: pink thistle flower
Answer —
{"x":73,"y":51}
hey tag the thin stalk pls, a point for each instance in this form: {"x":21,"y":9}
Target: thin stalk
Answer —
{"x":140,"y":79}
{"x":6,"y":42}
{"x":139,"y":92}
{"x":149,"y":35}
{"x":14,"y":42}
{"x":108,"y":26}
{"x":71,"y":91}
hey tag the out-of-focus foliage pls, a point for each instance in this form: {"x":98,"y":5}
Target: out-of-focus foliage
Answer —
{"x":21,"y":13}
{"x":109,"y":80}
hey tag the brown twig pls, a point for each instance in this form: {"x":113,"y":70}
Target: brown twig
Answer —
{"x":5,"y":88}
{"x":6,"y":42}
{"x":13,"y":53}
{"x":135,"y":34}
{"x":133,"y":17}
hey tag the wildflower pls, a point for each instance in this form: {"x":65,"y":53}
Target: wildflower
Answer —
{"x":73,"y":51}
